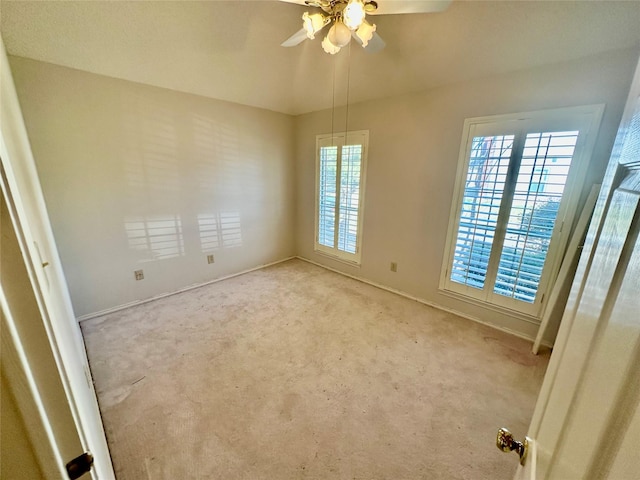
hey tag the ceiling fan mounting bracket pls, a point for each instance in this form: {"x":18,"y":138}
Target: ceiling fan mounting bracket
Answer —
{"x":335,"y":7}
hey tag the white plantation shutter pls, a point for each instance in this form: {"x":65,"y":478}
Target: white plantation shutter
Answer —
{"x":349,"y":197}
{"x":486,"y":178}
{"x":517,"y":183}
{"x":545,"y":165}
{"x":341,"y":161}
{"x":327,"y":194}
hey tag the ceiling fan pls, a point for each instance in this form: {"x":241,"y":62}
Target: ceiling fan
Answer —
{"x":349,"y":20}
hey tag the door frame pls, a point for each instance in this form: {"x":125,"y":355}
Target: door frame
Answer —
{"x":21,"y":187}
{"x":586,"y":259}
{"x":21,"y":381}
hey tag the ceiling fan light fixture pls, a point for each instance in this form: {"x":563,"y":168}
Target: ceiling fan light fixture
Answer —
{"x":313,"y":23}
{"x":339,"y":34}
{"x":329,"y":47}
{"x":371,"y":6}
{"x":365,"y":32}
{"x":354,"y":14}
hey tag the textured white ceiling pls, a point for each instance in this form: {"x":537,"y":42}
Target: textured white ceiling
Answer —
{"x":230,"y":49}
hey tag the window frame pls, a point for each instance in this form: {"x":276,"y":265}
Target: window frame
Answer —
{"x":586,"y":119}
{"x":339,"y":140}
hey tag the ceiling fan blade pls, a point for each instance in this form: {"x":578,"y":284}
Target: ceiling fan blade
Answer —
{"x":309,"y":3}
{"x":295,"y":39}
{"x":393,"y":7}
{"x":298,"y":2}
{"x":375,"y":44}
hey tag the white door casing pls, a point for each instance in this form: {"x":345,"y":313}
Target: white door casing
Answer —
{"x":586,"y":423}
{"x":29,"y":215}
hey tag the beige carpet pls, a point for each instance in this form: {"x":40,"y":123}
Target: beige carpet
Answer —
{"x":296,"y":372}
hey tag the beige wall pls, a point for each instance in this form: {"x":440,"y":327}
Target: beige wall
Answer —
{"x":113,"y":155}
{"x":413,"y":153}
{"x":138,"y":177}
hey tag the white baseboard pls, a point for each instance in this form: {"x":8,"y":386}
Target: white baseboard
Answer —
{"x":428,"y":303}
{"x":106,"y":311}
{"x":360,"y":279}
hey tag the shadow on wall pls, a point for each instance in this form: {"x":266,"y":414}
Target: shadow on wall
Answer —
{"x":155,"y":237}
{"x":160,"y":237}
{"x":187,"y":182}
{"x":219,"y":230}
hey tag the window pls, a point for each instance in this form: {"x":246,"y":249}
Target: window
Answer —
{"x":340,"y":172}
{"x":519,"y":179}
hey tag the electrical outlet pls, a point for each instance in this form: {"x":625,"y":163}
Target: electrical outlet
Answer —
{"x":393,"y":267}
{"x":210,"y":259}
{"x":139,"y":274}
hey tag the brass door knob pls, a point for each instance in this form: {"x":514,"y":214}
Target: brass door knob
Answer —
{"x":506,"y":443}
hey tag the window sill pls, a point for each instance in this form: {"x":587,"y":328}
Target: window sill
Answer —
{"x":351,"y":263}
{"x":490,"y":306}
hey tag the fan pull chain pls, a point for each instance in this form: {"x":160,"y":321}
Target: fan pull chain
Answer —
{"x":346,"y":120}
{"x":333,"y":99}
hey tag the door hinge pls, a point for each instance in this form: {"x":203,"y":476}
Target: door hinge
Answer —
{"x":79,"y":465}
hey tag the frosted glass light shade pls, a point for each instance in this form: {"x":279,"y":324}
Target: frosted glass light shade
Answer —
{"x":365,"y":32}
{"x":329,"y":47}
{"x":313,"y":23}
{"x":339,"y":34}
{"x":353,"y":14}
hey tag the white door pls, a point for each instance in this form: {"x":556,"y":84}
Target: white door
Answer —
{"x":41,"y":427}
{"x":586,"y":424}
{"x":46,"y":276}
